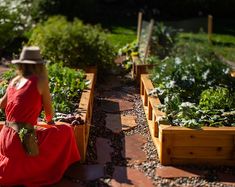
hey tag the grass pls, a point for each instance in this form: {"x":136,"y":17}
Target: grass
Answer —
{"x":221,"y":43}
{"x":193,"y":29}
{"x":121,"y":35}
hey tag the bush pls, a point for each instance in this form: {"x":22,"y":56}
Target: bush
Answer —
{"x":75,"y":44}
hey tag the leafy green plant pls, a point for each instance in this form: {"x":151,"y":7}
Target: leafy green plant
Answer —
{"x":66,"y":86}
{"x":129,"y":50}
{"x":194,"y":87}
{"x":163,"y":39}
{"x":74,"y":43}
{"x":216,"y":98}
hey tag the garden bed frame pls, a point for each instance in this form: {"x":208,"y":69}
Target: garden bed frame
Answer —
{"x":182,"y":146}
{"x":139,"y":68}
{"x":85,"y":107}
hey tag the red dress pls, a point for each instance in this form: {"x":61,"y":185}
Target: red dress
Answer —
{"x":57,"y":144}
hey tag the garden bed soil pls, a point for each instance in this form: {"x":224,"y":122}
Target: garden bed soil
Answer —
{"x":85,"y":112}
{"x":183,"y":146}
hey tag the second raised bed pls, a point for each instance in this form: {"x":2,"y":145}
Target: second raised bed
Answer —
{"x":179,"y":145}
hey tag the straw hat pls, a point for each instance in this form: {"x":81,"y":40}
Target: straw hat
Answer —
{"x":29,"y":55}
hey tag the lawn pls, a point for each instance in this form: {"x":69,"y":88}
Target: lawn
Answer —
{"x":222,"y":44}
{"x":121,"y":35}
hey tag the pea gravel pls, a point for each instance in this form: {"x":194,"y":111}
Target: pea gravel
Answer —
{"x":149,"y":167}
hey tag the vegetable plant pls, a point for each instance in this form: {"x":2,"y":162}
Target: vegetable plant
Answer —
{"x":66,"y":86}
{"x":195,"y":87}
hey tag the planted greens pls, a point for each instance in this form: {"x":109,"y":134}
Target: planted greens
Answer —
{"x":195,"y":87}
{"x":66,"y":86}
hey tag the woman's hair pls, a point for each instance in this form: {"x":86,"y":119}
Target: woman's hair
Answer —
{"x":32,"y":69}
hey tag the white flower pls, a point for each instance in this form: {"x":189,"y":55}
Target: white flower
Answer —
{"x":178,"y":61}
{"x":198,"y":58}
{"x":184,"y":78}
{"x":205,"y":74}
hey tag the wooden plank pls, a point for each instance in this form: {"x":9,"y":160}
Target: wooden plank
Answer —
{"x":203,"y":152}
{"x":212,"y":130}
{"x":206,"y":139}
{"x":148,"y":86}
{"x":167,"y":144}
{"x":205,"y":162}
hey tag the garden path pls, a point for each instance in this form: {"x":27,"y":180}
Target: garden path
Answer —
{"x":120,"y":150}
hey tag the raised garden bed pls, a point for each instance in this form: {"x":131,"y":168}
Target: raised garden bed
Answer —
{"x":85,"y":112}
{"x":139,"y":68}
{"x":181,"y":145}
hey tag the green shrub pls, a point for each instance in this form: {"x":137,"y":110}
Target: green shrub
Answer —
{"x":73,"y":43}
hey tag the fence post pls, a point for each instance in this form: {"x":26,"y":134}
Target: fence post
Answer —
{"x":139,"y":27}
{"x":210,"y":27}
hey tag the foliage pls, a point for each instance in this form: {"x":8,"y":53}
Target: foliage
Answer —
{"x":14,"y":21}
{"x":189,"y":77}
{"x":73,"y":43}
{"x":162,"y":41}
{"x":5,"y":78}
{"x":222,"y":44}
{"x":121,"y":36}
{"x":128,"y":51}
{"x":66,"y":86}
{"x":216,"y":98}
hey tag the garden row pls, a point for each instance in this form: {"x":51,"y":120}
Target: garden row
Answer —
{"x":188,"y":97}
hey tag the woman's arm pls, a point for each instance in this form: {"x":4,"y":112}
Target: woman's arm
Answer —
{"x":43,"y":87}
{"x":3,"y":101}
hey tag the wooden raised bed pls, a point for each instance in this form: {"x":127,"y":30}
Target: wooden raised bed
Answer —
{"x":139,"y":68}
{"x":85,"y":107}
{"x":180,"y":145}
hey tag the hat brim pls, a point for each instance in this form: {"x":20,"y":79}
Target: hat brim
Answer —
{"x":28,"y":62}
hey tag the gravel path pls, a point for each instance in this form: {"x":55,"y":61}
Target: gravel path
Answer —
{"x":148,"y":167}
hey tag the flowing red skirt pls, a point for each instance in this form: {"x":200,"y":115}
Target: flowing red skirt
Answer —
{"x":58,"y":150}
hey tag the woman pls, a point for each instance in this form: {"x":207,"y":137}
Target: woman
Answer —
{"x":32,"y":155}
